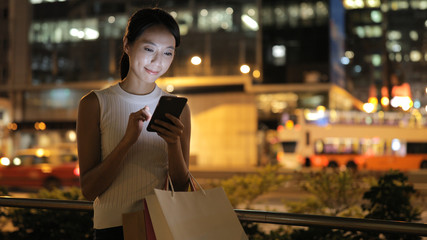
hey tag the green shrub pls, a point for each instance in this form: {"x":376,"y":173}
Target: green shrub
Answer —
{"x":391,"y":199}
{"x":244,"y":189}
{"x":51,"y":224}
{"x":332,"y":193}
{"x":341,"y":194}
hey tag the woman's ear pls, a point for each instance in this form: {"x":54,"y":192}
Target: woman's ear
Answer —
{"x":126,"y":45}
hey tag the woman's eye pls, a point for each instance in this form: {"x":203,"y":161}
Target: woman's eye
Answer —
{"x":148,"y":49}
{"x":168,"y":54}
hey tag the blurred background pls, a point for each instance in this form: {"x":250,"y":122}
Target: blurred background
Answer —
{"x":300,"y":83}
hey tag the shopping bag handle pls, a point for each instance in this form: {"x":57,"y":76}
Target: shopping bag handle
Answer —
{"x":192,"y":186}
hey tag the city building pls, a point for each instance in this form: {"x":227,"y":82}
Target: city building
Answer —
{"x":241,"y":64}
{"x":386,"y":38}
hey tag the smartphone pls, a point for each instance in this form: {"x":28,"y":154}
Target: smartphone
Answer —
{"x":167,"y":104}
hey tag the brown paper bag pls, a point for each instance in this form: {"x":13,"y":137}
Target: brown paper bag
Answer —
{"x":134,"y":226}
{"x":138,"y":225}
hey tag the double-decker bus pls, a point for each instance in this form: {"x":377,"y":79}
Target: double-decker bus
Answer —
{"x":353,"y":139}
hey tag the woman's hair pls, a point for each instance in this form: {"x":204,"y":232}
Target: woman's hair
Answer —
{"x":139,"y":22}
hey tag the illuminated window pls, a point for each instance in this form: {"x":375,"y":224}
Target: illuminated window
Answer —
{"x":250,"y":18}
{"x":307,"y":11}
{"x":281,"y":16}
{"x":376,"y":16}
{"x":214,"y":20}
{"x":294,"y":15}
{"x":185,"y":21}
{"x":279,"y":54}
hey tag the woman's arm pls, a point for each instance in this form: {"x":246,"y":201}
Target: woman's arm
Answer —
{"x":177,"y":137}
{"x":96,"y":175}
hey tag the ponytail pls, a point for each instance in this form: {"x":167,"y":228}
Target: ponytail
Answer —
{"x":124,"y":65}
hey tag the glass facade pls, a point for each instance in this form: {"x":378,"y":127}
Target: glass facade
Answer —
{"x":82,"y":41}
{"x":77,"y":48}
{"x":4,"y":43}
{"x":385,"y":37}
{"x":295,"y":41}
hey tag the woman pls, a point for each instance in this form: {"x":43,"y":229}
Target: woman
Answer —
{"x":120,"y":161}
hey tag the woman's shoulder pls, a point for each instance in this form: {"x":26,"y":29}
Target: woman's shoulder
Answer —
{"x":89,"y":99}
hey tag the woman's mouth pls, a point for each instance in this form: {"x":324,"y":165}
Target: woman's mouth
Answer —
{"x":151,"y":71}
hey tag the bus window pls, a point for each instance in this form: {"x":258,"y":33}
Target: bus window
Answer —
{"x":289,"y":147}
{"x":414,"y":148}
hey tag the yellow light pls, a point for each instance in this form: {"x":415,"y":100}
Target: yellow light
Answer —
{"x":385,"y":101}
{"x":196,"y":60}
{"x":256,"y":74}
{"x":320,"y":108}
{"x":46,"y":169}
{"x":289,"y":124}
{"x":72,"y":136}
{"x":245,"y":69}
{"x":373,"y":100}
{"x":40,"y":152}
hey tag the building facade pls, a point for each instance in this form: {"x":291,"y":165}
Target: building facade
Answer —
{"x":257,"y":59}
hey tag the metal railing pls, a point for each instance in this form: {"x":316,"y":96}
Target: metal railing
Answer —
{"x":306,"y":220}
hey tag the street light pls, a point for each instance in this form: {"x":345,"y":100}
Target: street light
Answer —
{"x":245,"y":69}
{"x":368,"y":107}
{"x":196,"y":60}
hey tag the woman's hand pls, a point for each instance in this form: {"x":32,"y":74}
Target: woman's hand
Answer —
{"x":171,"y":133}
{"x":136,"y":123}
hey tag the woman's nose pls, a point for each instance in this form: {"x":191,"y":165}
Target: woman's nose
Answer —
{"x":155,"y":58}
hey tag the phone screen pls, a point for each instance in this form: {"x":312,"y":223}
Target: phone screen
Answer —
{"x":167,"y":104}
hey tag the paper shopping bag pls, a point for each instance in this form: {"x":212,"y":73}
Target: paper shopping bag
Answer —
{"x":138,"y":225}
{"x":134,"y":226}
{"x":198,"y":215}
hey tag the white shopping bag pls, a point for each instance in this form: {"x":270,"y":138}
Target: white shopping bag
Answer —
{"x":198,"y":215}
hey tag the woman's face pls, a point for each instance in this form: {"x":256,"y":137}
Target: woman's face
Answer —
{"x":151,"y":54}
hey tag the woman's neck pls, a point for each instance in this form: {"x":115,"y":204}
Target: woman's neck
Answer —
{"x":137,"y":87}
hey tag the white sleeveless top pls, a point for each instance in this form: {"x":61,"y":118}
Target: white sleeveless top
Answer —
{"x":145,"y":165}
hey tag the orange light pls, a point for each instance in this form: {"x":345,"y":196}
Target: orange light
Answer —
{"x":280,"y":128}
{"x":12,"y":126}
{"x":280,"y":156}
{"x":40,"y":126}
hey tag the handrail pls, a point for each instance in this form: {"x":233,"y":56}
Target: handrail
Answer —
{"x":81,"y":205}
{"x":359,"y":224}
{"x":306,"y":220}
